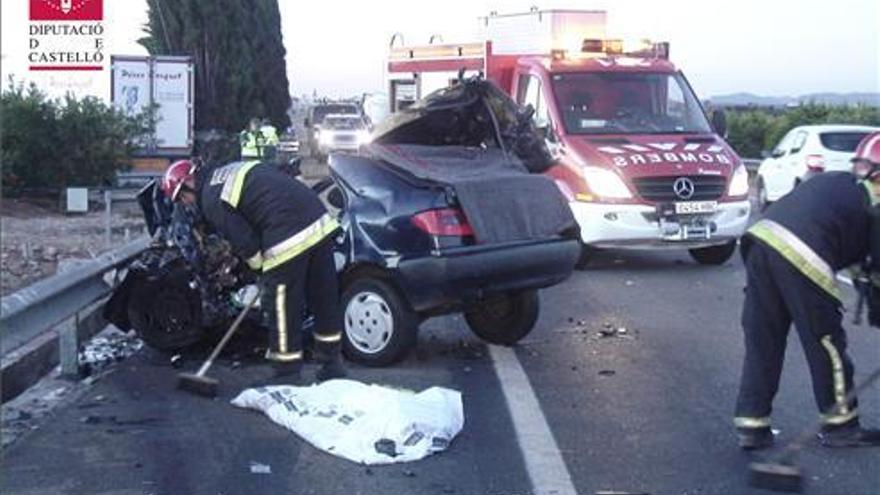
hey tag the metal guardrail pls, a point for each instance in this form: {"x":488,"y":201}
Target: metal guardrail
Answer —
{"x":36,"y":309}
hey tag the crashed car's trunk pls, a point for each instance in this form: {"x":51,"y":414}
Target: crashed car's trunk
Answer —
{"x":444,"y":212}
{"x":476,"y":140}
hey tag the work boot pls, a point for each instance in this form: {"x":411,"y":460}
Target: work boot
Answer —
{"x":331,"y":370}
{"x":755,"y":438}
{"x":849,"y":435}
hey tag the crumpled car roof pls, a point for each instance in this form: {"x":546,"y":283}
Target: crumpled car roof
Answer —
{"x":472,"y":113}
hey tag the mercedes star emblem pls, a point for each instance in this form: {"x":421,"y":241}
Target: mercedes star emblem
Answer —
{"x":683,"y":188}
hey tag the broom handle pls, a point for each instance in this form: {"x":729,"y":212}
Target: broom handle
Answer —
{"x":216,"y":352}
{"x":798,"y":444}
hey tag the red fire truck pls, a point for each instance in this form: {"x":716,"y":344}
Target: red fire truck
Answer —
{"x":638,"y":160}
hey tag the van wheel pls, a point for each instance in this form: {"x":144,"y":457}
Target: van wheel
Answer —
{"x":505,"y":319}
{"x":713,"y":255}
{"x":587,"y":254}
{"x":380,"y":328}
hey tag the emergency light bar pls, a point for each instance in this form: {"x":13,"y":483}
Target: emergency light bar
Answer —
{"x":637,"y":48}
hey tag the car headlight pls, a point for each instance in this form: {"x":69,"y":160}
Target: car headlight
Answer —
{"x":605,"y":183}
{"x":739,"y":183}
{"x":363,"y":137}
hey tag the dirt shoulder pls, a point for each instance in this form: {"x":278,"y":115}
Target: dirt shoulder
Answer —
{"x":37,"y":240}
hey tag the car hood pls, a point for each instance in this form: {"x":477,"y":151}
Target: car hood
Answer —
{"x":656,"y":155}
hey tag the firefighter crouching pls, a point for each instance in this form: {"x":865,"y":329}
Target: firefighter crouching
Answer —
{"x":281,"y":228}
{"x":792,"y":256}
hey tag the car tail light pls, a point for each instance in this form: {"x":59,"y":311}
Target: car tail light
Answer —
{"x":815,"y":163}
{"x":446,"y":221}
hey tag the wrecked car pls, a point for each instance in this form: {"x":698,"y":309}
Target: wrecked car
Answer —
{"x":446,"y":211}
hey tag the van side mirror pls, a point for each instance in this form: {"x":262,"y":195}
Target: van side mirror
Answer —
{"x":719,"y":122}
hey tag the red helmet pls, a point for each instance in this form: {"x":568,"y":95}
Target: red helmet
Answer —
{"x":179,"y":175}
{"x":866,"y":162}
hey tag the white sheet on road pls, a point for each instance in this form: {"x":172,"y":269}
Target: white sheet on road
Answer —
{"x":367,"y":424}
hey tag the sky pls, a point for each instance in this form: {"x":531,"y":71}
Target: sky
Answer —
{"x":337,"y":48}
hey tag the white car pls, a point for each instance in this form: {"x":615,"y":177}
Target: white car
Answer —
{"x":806,"y":151}
{"x":342,"y":133}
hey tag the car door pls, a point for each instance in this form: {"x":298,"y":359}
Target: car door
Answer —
{"x":796,"y":158}
{"x":774,"y":171}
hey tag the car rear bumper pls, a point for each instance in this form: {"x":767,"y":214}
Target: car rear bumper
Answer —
{"x":609,"y":225}
{"x":466,"y":274}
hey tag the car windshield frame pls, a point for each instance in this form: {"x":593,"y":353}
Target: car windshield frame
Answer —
{"x":578,"y":119}
{"x":322,"y":111}
{"x":339,"y":123}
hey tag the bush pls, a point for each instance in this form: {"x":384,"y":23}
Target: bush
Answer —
{"x":755,"y":130}
{"x":51,"y":144}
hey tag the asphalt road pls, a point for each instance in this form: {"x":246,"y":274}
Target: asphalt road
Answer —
{"x":644,"y":410}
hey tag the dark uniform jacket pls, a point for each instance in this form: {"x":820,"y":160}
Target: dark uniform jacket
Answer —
{"x":829,"y":217}
{"x":267,"y":216}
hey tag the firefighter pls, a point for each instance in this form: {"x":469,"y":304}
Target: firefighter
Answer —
{"x":791,"y":257}
{"x":280,"y":228}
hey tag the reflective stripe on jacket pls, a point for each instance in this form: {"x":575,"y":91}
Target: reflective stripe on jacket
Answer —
{"x":798,"y":254}
{"x":269,"y":217}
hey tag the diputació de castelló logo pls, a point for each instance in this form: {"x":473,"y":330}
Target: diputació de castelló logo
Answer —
{"x":66,"y":35}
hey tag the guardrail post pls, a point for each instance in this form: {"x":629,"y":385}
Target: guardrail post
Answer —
{"x":68,"y":349}
{"x":108,"y":198}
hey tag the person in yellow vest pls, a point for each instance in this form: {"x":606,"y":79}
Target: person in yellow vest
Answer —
{"x":252,"y":141}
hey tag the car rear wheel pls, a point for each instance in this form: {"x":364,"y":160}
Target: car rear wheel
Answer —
{"x":714,"y":255}
{"x":380,"y":328}
{"x":506,"y":319}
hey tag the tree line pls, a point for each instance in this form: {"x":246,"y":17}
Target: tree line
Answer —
{"x":752,"y":131}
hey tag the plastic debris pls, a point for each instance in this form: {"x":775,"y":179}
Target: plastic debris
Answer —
{"x":257,"y":468}
{"x":108,"y":348}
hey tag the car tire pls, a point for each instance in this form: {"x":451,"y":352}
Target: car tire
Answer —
{"x":506,"y":319}
{"x":379,"y":326}
{"x":713,"y":255}
{"x":763,"y":202}
{"x":166,"y":313}
{"x":587,"y":254}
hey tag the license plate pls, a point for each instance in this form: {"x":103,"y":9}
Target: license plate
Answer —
{"x":696,"y":207}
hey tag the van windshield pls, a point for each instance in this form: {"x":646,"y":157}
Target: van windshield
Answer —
{"x":628,"y":103}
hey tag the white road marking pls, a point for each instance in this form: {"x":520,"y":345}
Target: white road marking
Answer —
{"x":544,"y":463}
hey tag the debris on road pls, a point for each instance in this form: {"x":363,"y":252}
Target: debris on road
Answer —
{"x":607,"y":372}
{"x":176,"y":361}
{"x":367,"y":424}
{"x":108,"y":347}
{"x":258,"y":468}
